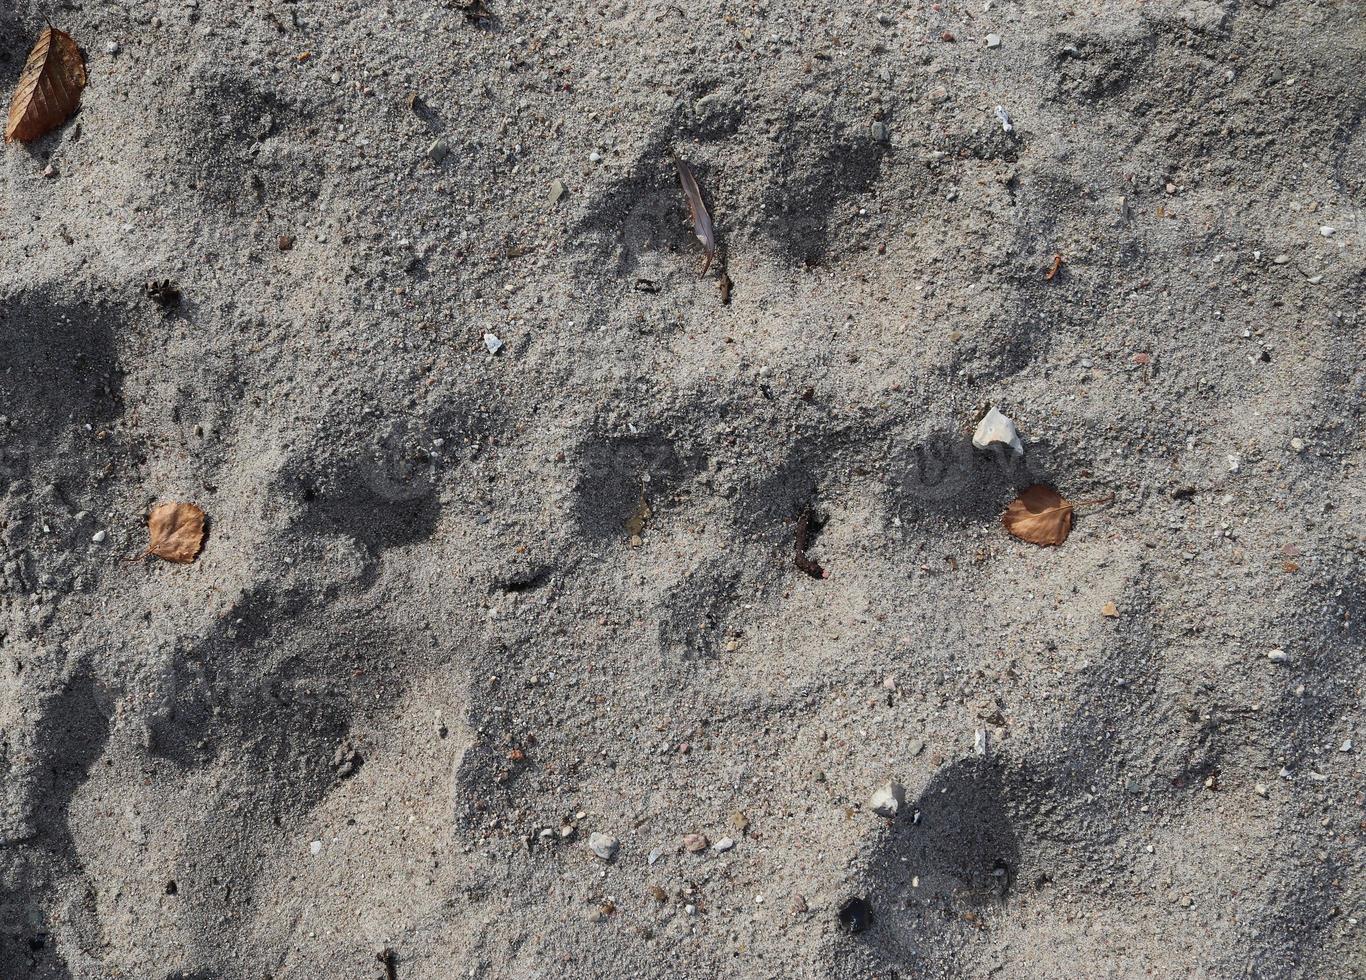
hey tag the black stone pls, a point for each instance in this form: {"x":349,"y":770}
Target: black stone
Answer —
{"x":856,"y":915}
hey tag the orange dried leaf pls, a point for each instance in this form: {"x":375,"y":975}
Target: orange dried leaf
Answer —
{"x":1109,"y":610}
{"x":49,"y":87}
{"x":177,"y":532}
{"x":1039,"y":515}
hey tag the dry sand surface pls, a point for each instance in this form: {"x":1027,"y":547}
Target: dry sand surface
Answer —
{"x":435,"y":653}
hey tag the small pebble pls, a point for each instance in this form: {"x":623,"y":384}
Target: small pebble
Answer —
{"x":439,"y":150}
{"x":695,"y":843}
{"x":888,"y":800}
{"x":603,"y":845}
{"x":111,"y":47}
{"x":595,"y":157}
{"x":1277,"y":656}
{"x":1327,"y":231}
{"x":98,"y":537}
{"x":993,"y":40}
{"x":879,"y":132}
{"x":855,"y":915}
{"x":492,"y":342}
{"x":1260,"y":789}
{"x":1297,"y":444}
{"x":316,"y":847}
{"x":726,"y":843}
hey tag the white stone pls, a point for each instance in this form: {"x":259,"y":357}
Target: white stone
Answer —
{"x":492,"y":342}
{"x":723,"y":845}
{"x":979,"y":742}
{"x":995,"y":428}
{"x":888,"y":800}
{"x":993,"y":40}
{"x":603,"y":845}
{"x":1277,"y":656}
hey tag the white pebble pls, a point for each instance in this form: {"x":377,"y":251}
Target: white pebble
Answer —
{"x":111,"y":47}
{"x":316,"y":847}
{"x":492,"y":342}
{"x":1327,"y":231}
{"x":1277,"y":656}
{"x":98,"y":537}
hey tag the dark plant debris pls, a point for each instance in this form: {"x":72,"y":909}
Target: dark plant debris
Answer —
{"x":163,"y":292}
{"x":389,"y":960}
{"x":805,"y":564}
{"x":476,"y":12}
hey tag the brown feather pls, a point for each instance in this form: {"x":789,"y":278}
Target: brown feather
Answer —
{"x":697,"y":208}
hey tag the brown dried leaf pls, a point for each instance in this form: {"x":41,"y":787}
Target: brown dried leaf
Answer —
{"x":49,"y":87}
{"x":697,"y":208}
{"x":177,"y":532}
{"x":1110,"y":610}
{"x":1039,"y":515}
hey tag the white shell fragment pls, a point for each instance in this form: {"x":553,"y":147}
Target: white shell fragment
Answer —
{"x":995,"y":428}
{"x":888,"y":800}
{"x":1004,"y":116}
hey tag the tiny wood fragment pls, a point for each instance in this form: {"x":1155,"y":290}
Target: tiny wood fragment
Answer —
{"x":176,"y":531}
{"x":804,"y":563}
{"x":1053,"y":269}
{"x":49,"y":87}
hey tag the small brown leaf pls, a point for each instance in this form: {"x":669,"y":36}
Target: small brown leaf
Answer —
{"x":49,"y":87}
{"x":1110,"y":611}
{"x":177,"y":532}
{"x":1039,"y":515}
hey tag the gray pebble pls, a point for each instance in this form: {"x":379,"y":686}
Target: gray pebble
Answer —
{"x":603,"y":845}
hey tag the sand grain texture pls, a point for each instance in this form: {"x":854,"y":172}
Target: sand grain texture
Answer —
{"x":419,"y":661}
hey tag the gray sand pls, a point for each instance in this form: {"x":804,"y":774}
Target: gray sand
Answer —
{"x":420,"y":660}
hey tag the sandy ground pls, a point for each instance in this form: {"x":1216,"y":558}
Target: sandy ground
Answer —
{"x":420,"y":661}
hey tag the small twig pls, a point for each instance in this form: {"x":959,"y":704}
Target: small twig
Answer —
{"x":390,"y":961}
{"x":1053,"y":269}
{"x":802,"y":562}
